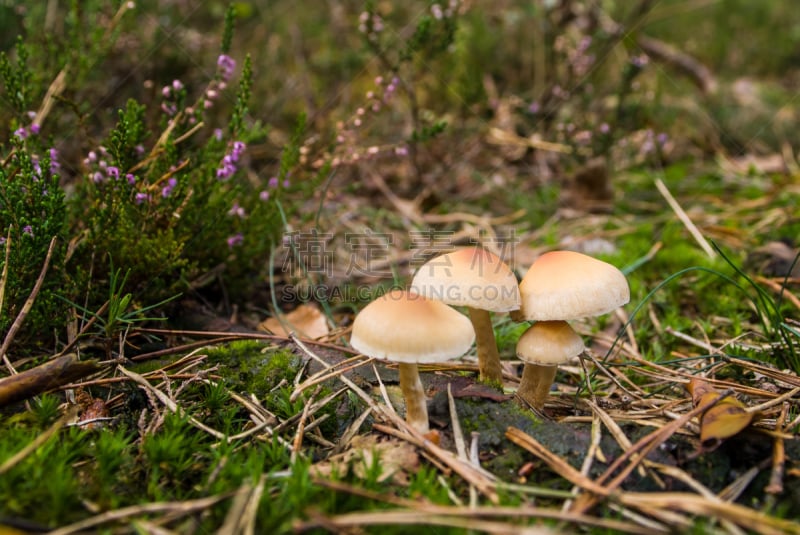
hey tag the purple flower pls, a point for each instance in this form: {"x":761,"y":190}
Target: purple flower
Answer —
{"x":139,"y":198}
{"x":177,"y":85}
{"x":237,"y":211}
{"x":166,"y":91}
{"x":218,"y":134}
{"x":171,"y":183}
{"x":226,"y":65}
{"x":112,"y":172}
{"x":264,"y":195}
{"x":37,"y":169}
{"x":21,"y":132}
{"x":54,"y":164}
{"x":226,"y":171}
{"x":130,"y":178}
{"x":273,"y":182}
{"x":235,"y":240}
{"x":139,"y":149}
{"x":35,"y":128}
{"x":98,"y":177}
{"x":286,"y":183}
{"x":27,"y":229}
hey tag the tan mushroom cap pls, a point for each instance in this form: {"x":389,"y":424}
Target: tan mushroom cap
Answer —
{"x":549,"y":343}
{"x":470,"y":276}
{"x":402,"y":326}
{"x":565,"y":285}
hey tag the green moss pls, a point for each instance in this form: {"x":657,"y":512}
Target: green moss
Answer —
{"x":253,"y":366}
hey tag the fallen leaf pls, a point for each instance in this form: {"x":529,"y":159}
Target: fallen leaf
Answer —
{"x":397,"y":459}
{"x":96,"y":409}
{"x":723,"y":420}
{"x":465,"y":387}
{"x":306,"y":320}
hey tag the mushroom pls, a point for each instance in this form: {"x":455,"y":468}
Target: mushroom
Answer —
{"x":544,"y":346}
{"x":479,"y":280}
{"x":409,"y":329}
{"x":565,"y":285}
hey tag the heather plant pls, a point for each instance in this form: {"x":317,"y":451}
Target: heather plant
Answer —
{"x":32,"y":208}
{"x":167,"y":193}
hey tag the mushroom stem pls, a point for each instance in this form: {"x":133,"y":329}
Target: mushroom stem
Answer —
{"x":489,"y":366}
{"x":414,"y":394}
{"x":535,"y":384}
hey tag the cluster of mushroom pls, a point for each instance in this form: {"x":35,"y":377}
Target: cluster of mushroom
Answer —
{"x":417,"y":326}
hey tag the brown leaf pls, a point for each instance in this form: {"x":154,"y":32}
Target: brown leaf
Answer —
{"x":726,"y":418}
{"x":397,"y":458}
{"x":96,"y":409}
{"x":306,"y":320}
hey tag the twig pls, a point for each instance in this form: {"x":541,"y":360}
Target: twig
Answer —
{"x":640,"y":450}
{"x":556,"y":463}
{"x":298,"y":437}
{"x":471,"y":474}
{"x":170,"y":404}
{"x":698,"y":73}
{"x":684,"y":218}
{"x":4,"y":276}
{"x":588,"y":460}
{"x":184,"y":508}
{"x":775,"y":485}
{"x":693,"y":504}
{"x":326,"y":374}
{"x":623,"y":441}
{"x":26,"y":307}
{"x":45,"y":377}
{"x":458,"y":435}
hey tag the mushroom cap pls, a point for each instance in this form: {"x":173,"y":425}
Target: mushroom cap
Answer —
{"x":470,"y":276}
{"x":401,"y":326}
{"x":565,"y":285}
{"x":549,"y":343}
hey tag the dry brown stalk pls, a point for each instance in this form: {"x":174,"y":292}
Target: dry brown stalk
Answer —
{"x":423,"y":511}
{"x":697,"y":505}
{"x":624,"y":443}
{"x":775,"y":485}
{"x":326,"y":374}
{"x":45,"y":377}
{"x":298,"y":437}
{"x":592,"y":452}
{"x":26,"y":307}
{"x":126,"y":513}
{"x":640,"y":450}
{"x":468,"y":472}
{"x":556,"y":463}
{"x":170,"y":403}
{"x":685,"y":219}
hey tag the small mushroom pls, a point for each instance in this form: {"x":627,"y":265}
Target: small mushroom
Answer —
{"x":565,"y":285}
{"x":409,"y":329}
{"x":543,"y":347}
{"x":479,"y":280}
